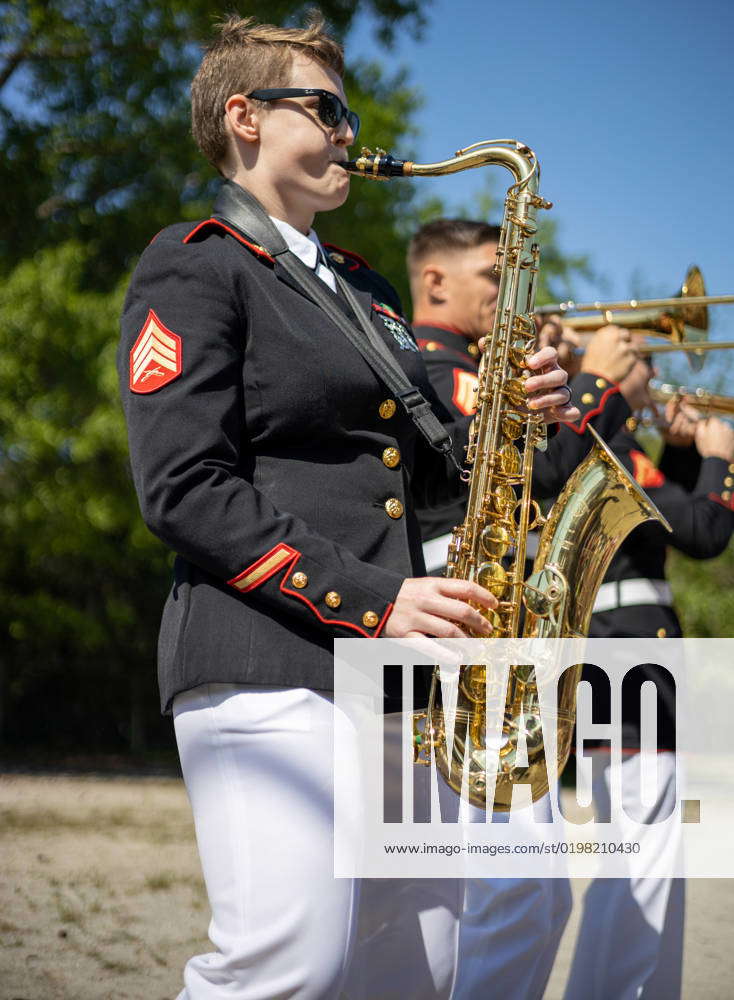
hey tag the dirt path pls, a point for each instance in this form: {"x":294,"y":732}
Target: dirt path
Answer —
{"x":100,"y":891}
{"x":101,"y":896}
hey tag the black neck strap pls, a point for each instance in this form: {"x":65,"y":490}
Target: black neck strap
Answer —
{"x":237,"y":207}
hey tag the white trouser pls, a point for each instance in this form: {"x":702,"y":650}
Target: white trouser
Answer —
{"x":511,"y":927}
{"x":258,"y":767}
{"x":630,"y":943}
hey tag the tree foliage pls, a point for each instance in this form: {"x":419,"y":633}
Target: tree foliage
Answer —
{"x":94,"y":117}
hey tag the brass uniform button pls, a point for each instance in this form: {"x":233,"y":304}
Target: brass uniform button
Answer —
{"x":299,"y":580}
{"x":729,"y":481}
{"x":631,"y":424}
{"x":588,"y":397}
{"x":394,"y":508}
{"x":601,"y":383}
{"x":391,"y":457}
{"x":726,"y":495}
{"x":369,"y":619}
{"x":336,"y":257}
{"x":333,"y":599}
{"x":473,"y":349}
{"x":432,"y":346}
{"x":731,"y":467}
{"x":662,"y":633}
{"x":387,"y":408}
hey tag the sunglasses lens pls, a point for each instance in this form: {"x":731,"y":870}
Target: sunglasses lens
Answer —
{"x":353,"y":122}
{"x":330,"y":110}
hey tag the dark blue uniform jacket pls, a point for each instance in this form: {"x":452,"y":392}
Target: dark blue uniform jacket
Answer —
{"x":268,"y":455}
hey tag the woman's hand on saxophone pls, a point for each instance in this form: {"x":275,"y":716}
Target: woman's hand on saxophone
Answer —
{"x":437,"y":607}
{"x":548,"y":389}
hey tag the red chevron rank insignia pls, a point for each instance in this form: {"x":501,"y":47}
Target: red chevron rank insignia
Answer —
{"x":645,"y":471}
{"x":155,"y":358}
{"x":464,"y":397}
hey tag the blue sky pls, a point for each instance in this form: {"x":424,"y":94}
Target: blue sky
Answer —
{"x":628,"y":105}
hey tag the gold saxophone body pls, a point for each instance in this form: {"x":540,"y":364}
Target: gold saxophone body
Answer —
{"x":597,"y":509}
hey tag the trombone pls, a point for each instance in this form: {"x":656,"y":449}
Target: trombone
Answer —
{"x":682,"y":319}
{"x":706,"y":402}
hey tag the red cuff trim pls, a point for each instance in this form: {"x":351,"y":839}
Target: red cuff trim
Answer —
{"x":580,"y":428}
{"x":728,"y":504}
{"x":265,"y":567}
{"x":329,"y":621}
{"x":271,"y":563}
{"x":358,"y":261}
{"x":384,"y":620}
{"x":260,"y":251}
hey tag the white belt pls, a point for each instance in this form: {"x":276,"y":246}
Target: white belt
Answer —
{"x":627,"y":593}
{"x":435,"y":552}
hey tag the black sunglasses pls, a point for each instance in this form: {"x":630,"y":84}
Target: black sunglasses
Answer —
{"x":331,"y":111}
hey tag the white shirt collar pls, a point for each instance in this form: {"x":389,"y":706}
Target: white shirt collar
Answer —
{"x":306,"y":248}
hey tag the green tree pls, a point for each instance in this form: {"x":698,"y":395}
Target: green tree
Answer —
{"x":94,"y":117}
{"x":80,"y":577}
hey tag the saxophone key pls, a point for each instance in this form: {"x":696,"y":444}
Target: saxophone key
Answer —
{"x":503,"y":499}
{"x":496,"y":540}
{"x":517,"y":351}
{"x":512,"y":425}
{"x":509,"y":459}
{"x":514,"y":390}
{"x":493,"y":577}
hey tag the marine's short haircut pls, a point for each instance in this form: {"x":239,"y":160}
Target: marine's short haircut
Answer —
{"x":246,"y":56}
{"x":447,"y":235}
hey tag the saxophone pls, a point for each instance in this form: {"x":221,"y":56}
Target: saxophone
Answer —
{"x":597,"y":509}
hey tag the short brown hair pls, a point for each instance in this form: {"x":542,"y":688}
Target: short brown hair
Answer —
{"x":248,"y":56}
{"x":443,"y":235}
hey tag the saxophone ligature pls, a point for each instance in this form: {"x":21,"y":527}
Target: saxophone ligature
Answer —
{"x":598,"y":507}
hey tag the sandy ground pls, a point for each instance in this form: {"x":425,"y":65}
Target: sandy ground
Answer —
{"x":101,"y":896}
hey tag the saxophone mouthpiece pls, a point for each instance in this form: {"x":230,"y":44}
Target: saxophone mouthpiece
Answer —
{"x":379,"y":165}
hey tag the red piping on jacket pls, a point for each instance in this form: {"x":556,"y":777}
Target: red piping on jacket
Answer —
{"x":442,"y":326}
{"x":232,"y":232}
{"x":348,"y":253}
{"x":611,"y":391}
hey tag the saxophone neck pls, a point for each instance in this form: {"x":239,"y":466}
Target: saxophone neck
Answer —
{"x":518,"y":158}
